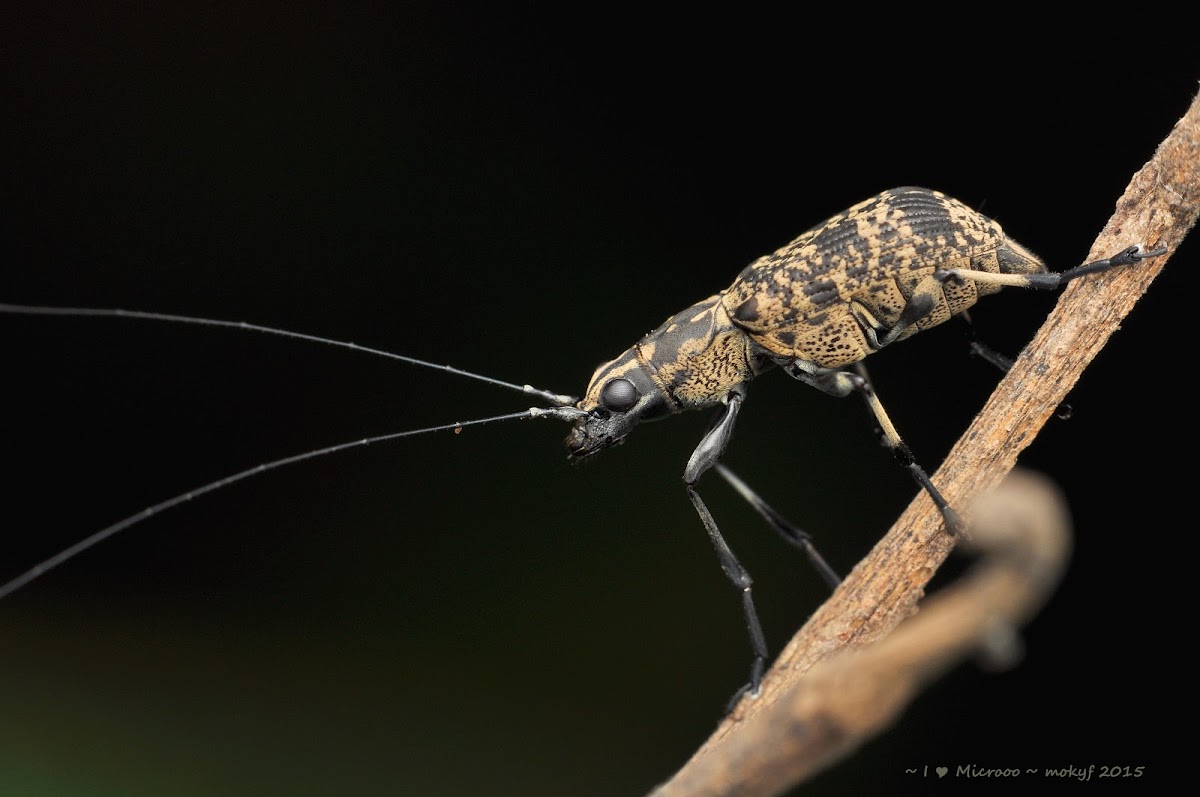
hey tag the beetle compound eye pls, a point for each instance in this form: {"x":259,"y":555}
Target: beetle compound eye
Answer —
{"x":619,"y":395}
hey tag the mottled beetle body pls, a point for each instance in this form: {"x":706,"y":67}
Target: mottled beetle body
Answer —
{"x":826,"y":300}
{"x":830,"y":295}
{"x":904,"y":260}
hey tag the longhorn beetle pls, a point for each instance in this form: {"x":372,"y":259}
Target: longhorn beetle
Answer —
{"x":892,"y":265}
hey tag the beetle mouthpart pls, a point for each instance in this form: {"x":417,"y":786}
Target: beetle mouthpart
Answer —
{"x":582,"y":442}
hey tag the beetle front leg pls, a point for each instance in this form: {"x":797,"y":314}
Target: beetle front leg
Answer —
{"x":843,"y":383}
{"x":706,"y":455}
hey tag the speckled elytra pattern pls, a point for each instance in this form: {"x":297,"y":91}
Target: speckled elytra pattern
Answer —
{"x":813,"y":299}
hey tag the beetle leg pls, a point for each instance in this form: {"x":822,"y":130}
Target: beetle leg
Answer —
{"x":1052,"y":279}
{"x":924,"y":301}
{"x":842,"y":383}
{"x":980,"y":349}
{"x":782,"y":526}
{"x":706,"y":455}
{"x":1001,"y":361}
{"x":827,"y":380}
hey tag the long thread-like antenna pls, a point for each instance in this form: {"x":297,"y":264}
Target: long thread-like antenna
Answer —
{"x":558,"y":399}
{"x":563,"y":410}
{"x":103,"y":534}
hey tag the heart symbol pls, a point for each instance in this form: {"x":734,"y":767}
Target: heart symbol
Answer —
{"x":941,"y":771}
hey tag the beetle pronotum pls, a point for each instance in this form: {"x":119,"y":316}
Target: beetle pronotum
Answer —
{"x":902,"y":261}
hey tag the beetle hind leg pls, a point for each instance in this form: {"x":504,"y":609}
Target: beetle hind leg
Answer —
{"x":1051,"y":279}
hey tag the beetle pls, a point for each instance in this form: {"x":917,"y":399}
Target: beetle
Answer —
{"x":902,"y":261}
{"x":905,"y":260}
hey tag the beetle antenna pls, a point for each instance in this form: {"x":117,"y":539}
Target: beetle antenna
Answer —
{"x":557,"y":399}
{"x":11,"y":586}
{"x":563,"y":409}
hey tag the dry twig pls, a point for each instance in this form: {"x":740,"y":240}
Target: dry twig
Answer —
{"x":1023,"y":530}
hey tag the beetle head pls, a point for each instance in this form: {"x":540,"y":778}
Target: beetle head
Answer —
{"x":621,"y":394}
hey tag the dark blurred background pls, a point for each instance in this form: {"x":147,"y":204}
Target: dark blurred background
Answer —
{"x":525,"y":192}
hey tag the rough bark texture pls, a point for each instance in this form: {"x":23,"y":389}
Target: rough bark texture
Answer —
{"x":1023,"y":530}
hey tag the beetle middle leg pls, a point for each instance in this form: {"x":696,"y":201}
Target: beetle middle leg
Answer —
{"x":840,"y":383}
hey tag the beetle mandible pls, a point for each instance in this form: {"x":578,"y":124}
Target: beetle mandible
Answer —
{"x":892,"y":265}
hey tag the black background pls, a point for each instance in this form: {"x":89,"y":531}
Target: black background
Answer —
{"x":525,"y":193}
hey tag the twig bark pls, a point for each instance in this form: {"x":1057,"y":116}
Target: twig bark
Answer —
{"x":1023,"y":530}
{"x":1158,"y":208}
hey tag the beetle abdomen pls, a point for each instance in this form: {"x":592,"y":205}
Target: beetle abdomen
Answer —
{"x":815,"y":298}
